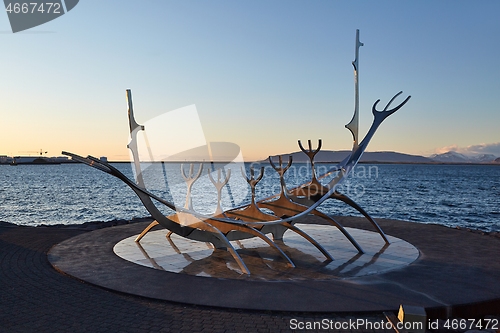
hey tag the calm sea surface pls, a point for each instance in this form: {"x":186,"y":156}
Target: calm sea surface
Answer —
{"x":451,"y":195}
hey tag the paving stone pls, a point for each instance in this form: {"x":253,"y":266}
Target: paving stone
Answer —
{"x":37,"y":298}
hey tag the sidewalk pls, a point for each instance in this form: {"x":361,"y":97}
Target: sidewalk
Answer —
{"x":36,"y":298}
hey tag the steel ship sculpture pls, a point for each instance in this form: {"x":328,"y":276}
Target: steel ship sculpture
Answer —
{"x":272,"y":215}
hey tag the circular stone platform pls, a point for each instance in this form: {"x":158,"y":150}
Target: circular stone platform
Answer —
{"x":180,"y":255}
{"x":454,"y":268}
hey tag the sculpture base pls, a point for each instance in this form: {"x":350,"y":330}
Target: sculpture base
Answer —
{"x":180,"y":255}
{"x":456,"y":271}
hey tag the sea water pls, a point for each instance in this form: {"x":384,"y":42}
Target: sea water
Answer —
{"x":452,"y":195}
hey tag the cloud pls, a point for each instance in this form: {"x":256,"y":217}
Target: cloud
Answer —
{"x":446,"y":149}
{"x":473,"y":150}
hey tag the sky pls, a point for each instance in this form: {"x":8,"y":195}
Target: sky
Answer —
{"x":261,"y":74}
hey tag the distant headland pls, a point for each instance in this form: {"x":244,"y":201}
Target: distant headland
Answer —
{"x":329,"y":156}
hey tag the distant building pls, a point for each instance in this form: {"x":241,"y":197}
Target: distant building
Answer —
{"x":19,"y":160}
{"x":4,"y":159}
{"x":61,"y":159}
{"x":24,"y":159}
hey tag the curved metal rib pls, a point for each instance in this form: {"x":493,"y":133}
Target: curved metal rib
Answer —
{"x":146,"y":230}
{"x":339,"y":226}
{"x":344,"y":198}
{"x":309,"y":238}
{"x":257,"y":233}
{"x":231,"y":250}
{"x":284,"y":206}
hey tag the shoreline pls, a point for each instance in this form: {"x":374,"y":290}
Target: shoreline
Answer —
{"x":92,"y":225}
{"x":95,"y":225}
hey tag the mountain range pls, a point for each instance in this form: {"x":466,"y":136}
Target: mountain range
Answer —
{"x":394,"y":157}
{"x":454,"y":157}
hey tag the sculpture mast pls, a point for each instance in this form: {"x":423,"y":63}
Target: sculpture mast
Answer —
{"x":134,"y":129}
{"x":353,"y":125}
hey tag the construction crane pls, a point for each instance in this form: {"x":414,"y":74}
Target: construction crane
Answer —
{"x":41,"y":152}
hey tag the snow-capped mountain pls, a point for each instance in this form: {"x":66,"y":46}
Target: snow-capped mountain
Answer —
{"x":450,"y":157}
{"x":454,"y":157}
{"x":485,"y":158}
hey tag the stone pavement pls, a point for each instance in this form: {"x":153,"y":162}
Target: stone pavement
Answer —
{"x":37,"y":298}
